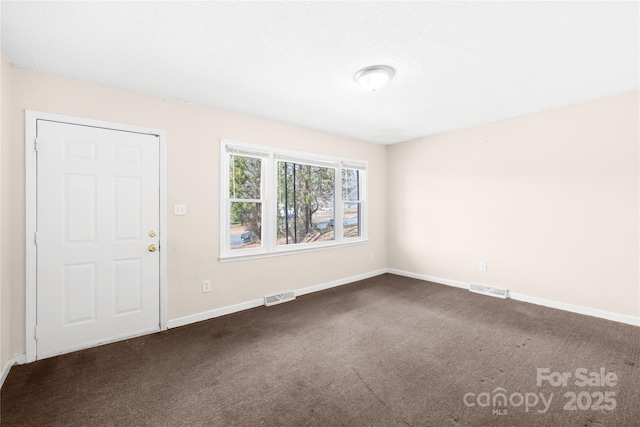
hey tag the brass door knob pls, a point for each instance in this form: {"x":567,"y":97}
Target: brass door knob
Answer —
{"x":153,"y":248}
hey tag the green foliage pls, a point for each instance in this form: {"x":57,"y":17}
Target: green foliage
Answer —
{"x":245,"y":177}
{"x":245,"y":184}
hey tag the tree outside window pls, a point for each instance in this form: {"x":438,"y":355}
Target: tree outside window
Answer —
{"x":352,"y":204}
{"x":305,"y":203}
{"x":245,"y":194}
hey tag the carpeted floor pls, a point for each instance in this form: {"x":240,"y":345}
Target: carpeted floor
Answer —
{"x":387,"y":351}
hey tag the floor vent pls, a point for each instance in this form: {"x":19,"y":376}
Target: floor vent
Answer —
{"x":488,"y":290}
{"x":279,"y":298}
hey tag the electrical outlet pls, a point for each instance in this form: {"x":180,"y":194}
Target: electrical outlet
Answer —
{"x":206,"y":286}
{"x":179,"y":209}
{"x":482,"y":266}
{"x":371,"y":256}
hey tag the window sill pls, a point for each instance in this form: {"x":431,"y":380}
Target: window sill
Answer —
{"x":289,"y":251}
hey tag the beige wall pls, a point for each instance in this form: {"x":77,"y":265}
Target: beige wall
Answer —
{"x":193,"y":135}
{"x":6,"y":124}
{"x":549,"y":201}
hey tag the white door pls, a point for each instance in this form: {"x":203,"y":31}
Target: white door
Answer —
{"x":97,"y":275}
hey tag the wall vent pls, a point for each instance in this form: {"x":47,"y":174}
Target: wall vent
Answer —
{"x":279,"y":298}
{"x":488,"y":290}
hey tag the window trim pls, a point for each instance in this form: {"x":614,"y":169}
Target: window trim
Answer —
{"x":360,"y":200}
{"x":262,"y":200}
{"x":270,"y":157}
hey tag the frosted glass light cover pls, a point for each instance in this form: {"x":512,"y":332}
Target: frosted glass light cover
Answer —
{"x":374,"y":77}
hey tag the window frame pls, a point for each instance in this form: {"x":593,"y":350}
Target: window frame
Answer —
{"x":261,"y":200}
{"x":360,"y":200}
{"x":269,"y":195}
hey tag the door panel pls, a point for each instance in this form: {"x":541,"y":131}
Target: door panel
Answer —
{"x":127,"y":285}
{"x":97,"y":201}
{"x":127,"y":208}
{"x":79,"y":293}
{"x":80,"y":209}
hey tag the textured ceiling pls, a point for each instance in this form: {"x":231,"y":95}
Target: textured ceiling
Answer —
{"x":457,"y":64}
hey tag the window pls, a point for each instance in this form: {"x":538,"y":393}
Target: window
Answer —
{"x":305,"y":203}
{"x":352,"y":202}
{"x":245,"y":197}
{"x":277,"y":201}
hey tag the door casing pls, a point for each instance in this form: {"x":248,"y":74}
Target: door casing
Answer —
{"x":31,"y":118}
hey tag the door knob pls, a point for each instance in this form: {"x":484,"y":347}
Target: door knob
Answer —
{"x":153,"y":248}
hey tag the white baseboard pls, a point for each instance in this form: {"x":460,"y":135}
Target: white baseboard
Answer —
{"x":17,"y":359}
{"x":433,"y":279}
{"x":608,"y":315}
{"x":206,"y":315}
{"x":340,"y":282}
{"x":616,"y":317}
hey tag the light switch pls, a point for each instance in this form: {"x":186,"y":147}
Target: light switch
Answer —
{"x":179,"y":209}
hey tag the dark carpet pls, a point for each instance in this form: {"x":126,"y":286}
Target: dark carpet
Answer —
{"x":387,"y":351}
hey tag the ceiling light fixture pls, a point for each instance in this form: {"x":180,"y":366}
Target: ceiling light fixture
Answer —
{"x":374,"y":77}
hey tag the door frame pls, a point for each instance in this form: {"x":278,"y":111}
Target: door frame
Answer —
{"x":31,"y":118}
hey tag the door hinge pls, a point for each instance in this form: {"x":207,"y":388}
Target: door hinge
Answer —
{"x":35,"y":144}
{"x":36,"y":238}
{"x":35,"y":332}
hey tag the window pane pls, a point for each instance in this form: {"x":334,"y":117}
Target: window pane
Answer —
{"x":351,"y":220}
{"x":244,"y":177}
{"x":305,"y":203}
{"x":350,"y":184}
{"x":245,"y":225}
